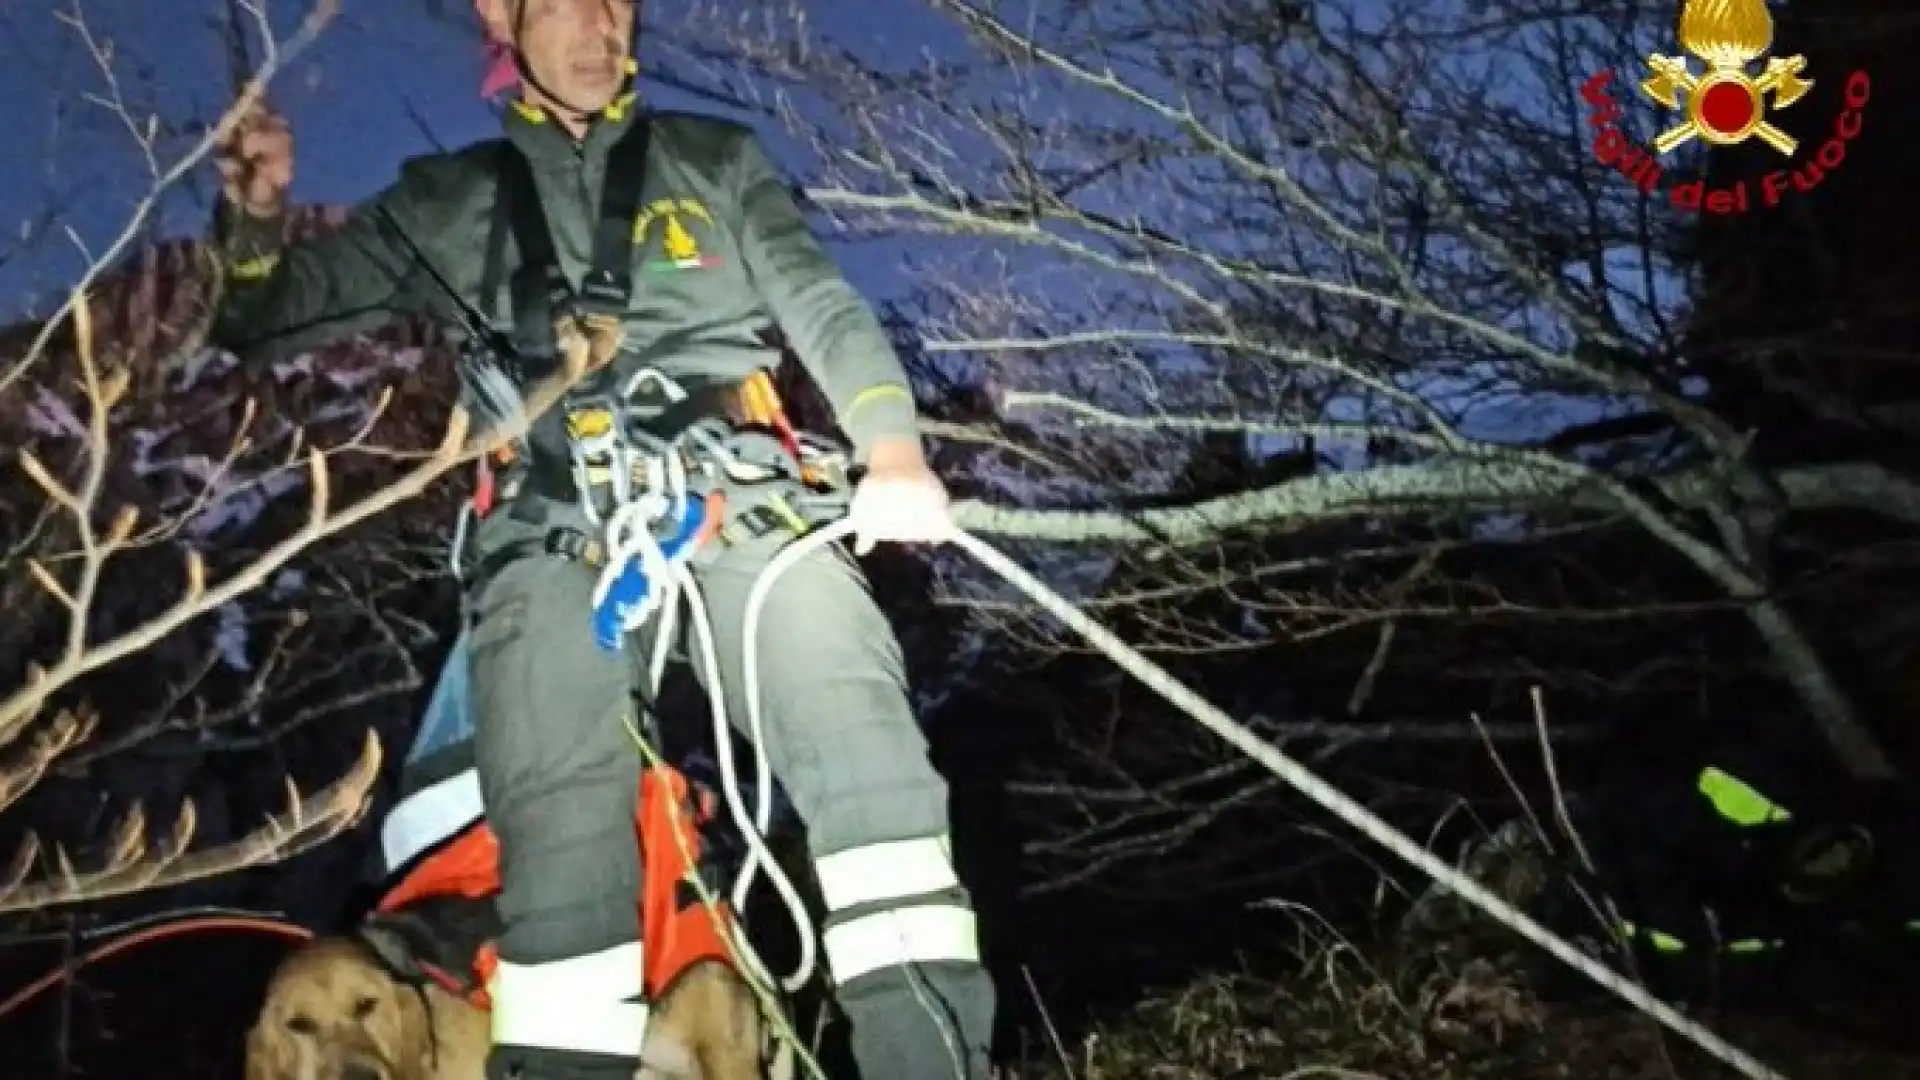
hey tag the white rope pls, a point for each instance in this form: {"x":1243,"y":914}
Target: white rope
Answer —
{"x":629,"y":536}
{"x":1346,"y":809}
{"x":753,"y":828}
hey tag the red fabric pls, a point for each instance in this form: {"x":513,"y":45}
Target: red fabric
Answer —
{"x":484,"y":490}
{"x":469,"y":866}
{"x":667,"y":824}
{"x":503,"y":73}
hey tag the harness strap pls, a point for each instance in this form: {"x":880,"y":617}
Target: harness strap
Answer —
{"x":571,"y":545}
{"x":610,"y":281}
{"x":745,"y":514}
{"x":433,"y":939}
{"x":538,"y":290}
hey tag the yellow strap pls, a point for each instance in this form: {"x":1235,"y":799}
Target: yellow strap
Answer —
{"x":759,"y":401}
{"x":788,"y":514}
{"x":1659,"y":939}
{"x":617,"y":108}
{"x":614,"y":111}
{"x":589,"y":423}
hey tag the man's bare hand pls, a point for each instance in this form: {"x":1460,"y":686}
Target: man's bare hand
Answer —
{"x":256,"y":163}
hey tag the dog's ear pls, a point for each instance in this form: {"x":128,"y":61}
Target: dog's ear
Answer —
{"x":268,"y":1057}
{"x":417,"y":1039}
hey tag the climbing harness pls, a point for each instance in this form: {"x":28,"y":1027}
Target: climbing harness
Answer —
{"x":710,"y":484}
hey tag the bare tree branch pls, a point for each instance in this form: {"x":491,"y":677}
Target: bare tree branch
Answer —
{"x":1384,"y":241}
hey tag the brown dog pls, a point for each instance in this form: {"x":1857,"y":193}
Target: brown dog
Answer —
{"x":334,"y":1011}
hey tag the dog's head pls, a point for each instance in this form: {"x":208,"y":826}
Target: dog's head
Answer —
{"x":334,"y":1011}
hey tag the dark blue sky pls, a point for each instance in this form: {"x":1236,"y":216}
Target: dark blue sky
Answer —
{"x":349,"y":99}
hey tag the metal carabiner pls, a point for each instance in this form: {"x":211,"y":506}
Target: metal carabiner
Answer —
{"x":462,"y":524}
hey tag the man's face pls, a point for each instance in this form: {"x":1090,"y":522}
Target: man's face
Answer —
{"x":576,"y":48}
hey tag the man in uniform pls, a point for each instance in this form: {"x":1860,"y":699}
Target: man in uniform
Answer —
{"x":718,"y":251}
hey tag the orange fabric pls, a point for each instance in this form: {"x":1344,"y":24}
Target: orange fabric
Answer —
{"x":468,"y":866}
{"x":483,"y":966}
{"x":710,"y":525}
{"x":677,"y":935}
{"x":668,"y":824}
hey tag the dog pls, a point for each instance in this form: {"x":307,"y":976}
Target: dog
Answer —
{"x":401,"y":996}
{"x":336,"y":1010}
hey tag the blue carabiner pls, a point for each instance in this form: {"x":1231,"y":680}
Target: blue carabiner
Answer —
{"x":675,"y":547}
{"x":613,"y":616}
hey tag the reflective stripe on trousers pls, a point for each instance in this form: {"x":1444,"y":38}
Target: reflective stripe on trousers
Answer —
{"x":588,"y":1004}
{"x":890,"y":904}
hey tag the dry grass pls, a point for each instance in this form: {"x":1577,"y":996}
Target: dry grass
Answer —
{"x":1340,"y":1017}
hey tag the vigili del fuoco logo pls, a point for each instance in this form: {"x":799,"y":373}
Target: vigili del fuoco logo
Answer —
{"x":1722,"y":103}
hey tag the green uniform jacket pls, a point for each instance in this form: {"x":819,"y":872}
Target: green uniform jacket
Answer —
{"x":722,"y":252}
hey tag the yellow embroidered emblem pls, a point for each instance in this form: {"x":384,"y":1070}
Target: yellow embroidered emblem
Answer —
{"x":679,"y":244}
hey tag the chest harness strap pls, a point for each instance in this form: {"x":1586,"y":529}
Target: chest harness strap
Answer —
{"x":659,"y":479}
{"x":566,"y":329}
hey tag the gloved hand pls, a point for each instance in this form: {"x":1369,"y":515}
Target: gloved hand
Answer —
{"x":900,"y":499}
